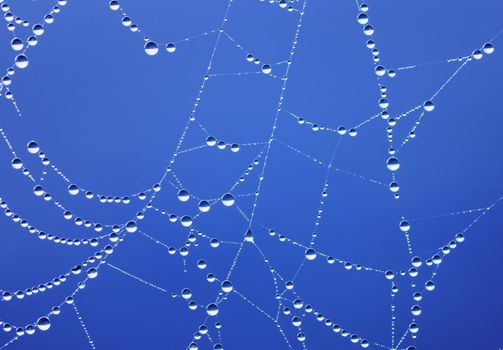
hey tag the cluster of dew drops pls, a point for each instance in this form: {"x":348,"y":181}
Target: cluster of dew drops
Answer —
{"x":151,"y":48}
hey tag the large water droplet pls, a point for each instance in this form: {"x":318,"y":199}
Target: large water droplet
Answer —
{"x":393,"y":164}
{"x":183,"y":195}
{"x":228,"y":200}
{"x":17,"y":163}
{"x":151,"y":48}
{"x":404,"y":226}
{"x":186,"y":221}
{"x":212,"y":309}
{"x":17,"y":44}
{"x":204,"y":206}
{"x":310,"y":254}
{"x":227,"y":286}
{"x":43,"y":323}
{"x":114,"y":5}
{"x":21,"y":61}
{"x":488,"y":48}
{"x":131,"y":226}
{"x":33,"y":147}
{"x":428,"y":106}
{"x":73,"y":189}
{"x":92,"y":273}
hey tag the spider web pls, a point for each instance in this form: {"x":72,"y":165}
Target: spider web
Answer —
{"x":263,"y":224}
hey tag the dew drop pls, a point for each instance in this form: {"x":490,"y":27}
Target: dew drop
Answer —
{"x":227,"y":286}
{"x":394,"y":187}
{"x":38,"y":191}
{"x":151,"y":48}
{"x":310,"y":254}
{"x":393,"y":164}
{"x":363,"y":18}
{"x":33,"y":147}
{"x":171,"y":47}
{"x":186,"y":294}
{"x":228,"y":200}
{"x":204,"y":206}
{"x":428,"y":106}
{"x":73,"y":189}
{"x":21,"y":61}
{"x":43,"y":323}
{"x":114,"y":5}
{"x":488,"y":48}
{"x":131,"y":226}
{"x":92,"y":273}
{"x":212,"y":309}
{"x":186,"y":221}
{"x":211,"y":141}
{"x":38,"y":29}
{"x":477,"y":54}
{"x":17,"y":163}
{"x":380,"y":71}
{"x":17,"y":44}
{"x":266,"y":69}
{"x":404,"y":226}
{"x":183,"y":195}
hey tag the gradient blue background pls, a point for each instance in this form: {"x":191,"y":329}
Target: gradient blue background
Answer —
{"x":110,"y":117}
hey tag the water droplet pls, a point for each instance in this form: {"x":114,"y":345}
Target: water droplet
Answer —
{"x":227,"y":286}
{"x":186,"y":294}
{"x":126,"y":21}
{"x":413,"y":328}
{"x":17,"y":44}
{"x":380,"y":71}
{"x":171,"y":47}
{"x":38,"y":29}
{"x":73,"y":189}
{"x":393,"y":164}
{"x":201,"y":264}
{"x":429,"y":286}
{"x":249,"y":236}
{"x":212,"y":309}
{"x":151,"y":48}
{"x":38,"y":191}
{"x":363,"y":18}
{"x":33,"y":147}
{"x":17,"y":163}
{"x":131,"y":226}
{"x":211,"y":141}
{"x":92,"y":273}
{"x":393,"y":187}
{"x":488,"y":48}
{"x":186,"y":221}
{"x":477,"y":54}
{"x":368,"y":30}
{"x":32,"y":41}
{"x":266,"y":69}
{"x":389,"y":275}
{"x":43,"y":323}
{"x":428,"y":106}
{"x":415,"y":310}
{"x":114,"y":5}
{"x":228,"y":200}
{"x":21,"y":61}
{"x":310,"y":254}
{"x":183,"y":195}
{"x":204,"y":206}
{"x":404,"y":226}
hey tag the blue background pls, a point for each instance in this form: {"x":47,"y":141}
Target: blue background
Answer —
{"x":110,"y":117}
